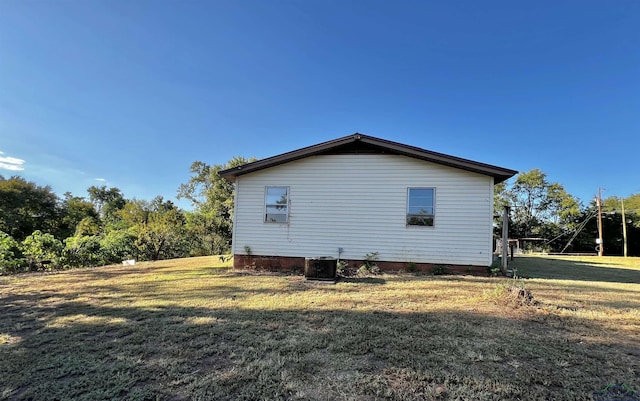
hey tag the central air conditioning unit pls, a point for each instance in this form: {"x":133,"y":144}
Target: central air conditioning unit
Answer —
{"x":320,"y":268}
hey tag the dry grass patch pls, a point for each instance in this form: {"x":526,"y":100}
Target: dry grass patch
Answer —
{"x":188,"y":330}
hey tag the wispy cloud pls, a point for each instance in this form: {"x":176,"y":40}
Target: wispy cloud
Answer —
{"x":101,"y":179}
{"x":11,"y":163}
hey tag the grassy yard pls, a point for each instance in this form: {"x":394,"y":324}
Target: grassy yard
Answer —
{"x":613,"y":269}
{"x":191,"y":330}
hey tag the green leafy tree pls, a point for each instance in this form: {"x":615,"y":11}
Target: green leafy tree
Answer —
{"x":107,"y":202}
{"x":536,"y":202}
{"x":538,"y":208}
{"x":10,"y":256}
{"x":74,"y":211}
{"x":119,"y":245}
{"x":500,"y":197}
{"x":26,"y":207}
{"x":207,"y":235}
{"x":159,"y":227}
{"x":88,"y":226}
{"x":212,"y":198}
{"x":613,"y":204}
{"x":500,"y":200}
{"x":42,"y":250}
{"x":562,"y":208}
{"x":612,"y":225}
{"x":82,"y":251}
{"x":528,"y":195}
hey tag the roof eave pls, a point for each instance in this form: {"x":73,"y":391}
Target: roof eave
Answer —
{"x":499,"y":174}
{"x":232,"y":173}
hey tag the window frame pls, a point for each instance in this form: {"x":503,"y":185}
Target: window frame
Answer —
{"x":433,"y":207}
{"x":266,"y":205}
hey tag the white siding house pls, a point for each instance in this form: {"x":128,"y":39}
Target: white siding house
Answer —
{"x":358,"y":194}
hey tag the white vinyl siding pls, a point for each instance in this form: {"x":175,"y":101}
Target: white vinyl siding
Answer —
{"x":359,"y":203}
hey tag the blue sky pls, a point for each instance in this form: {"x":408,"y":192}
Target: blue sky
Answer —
{"x":130,"y":93}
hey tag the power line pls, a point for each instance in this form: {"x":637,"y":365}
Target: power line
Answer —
{"x":620,"y":211}
{"x":578,"y":230}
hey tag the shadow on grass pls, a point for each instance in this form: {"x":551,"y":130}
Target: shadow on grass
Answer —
{"x":363,"y":280}
{"x":108,"y":272}
{"x":86,"y":351}
{"x":563,"y":269}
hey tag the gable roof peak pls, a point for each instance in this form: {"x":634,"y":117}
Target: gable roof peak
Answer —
{"x":358,"y":143}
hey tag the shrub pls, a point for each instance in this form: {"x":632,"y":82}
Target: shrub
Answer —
{"x":11,"y":259}
{"x":82,"y":251}
{"x":42,"y":251}
{"x":440,"y":270}
{"x":370,"y":266}
{"x":118,"y":245}
{"x":495,"y":268}
{"x":87,"y":227}
{"x":342,"y":267}
{"x":411,"y":267}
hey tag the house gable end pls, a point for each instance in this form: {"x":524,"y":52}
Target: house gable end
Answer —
{"x":364,"y":144}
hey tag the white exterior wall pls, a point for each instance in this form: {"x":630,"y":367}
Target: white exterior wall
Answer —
{"x":359,"y":203}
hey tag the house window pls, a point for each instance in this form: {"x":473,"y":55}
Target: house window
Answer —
{"x":420,"y":206}
{"x":276,"y":201}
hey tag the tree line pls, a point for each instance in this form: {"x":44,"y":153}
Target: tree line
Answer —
{"x":555,"y":221}
{"x":41,"y":231}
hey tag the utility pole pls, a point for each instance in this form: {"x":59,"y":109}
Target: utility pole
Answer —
{"x":600,"y":242}
{"x":505,"y":239}
{"x":624,"y":228}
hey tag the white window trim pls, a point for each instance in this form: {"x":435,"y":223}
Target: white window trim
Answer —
{"x":407,"y":208}
{"x":264,"y":219}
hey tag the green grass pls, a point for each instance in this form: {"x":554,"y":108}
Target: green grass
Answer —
{"x":584,"y":268}
{"x":190,"y":330}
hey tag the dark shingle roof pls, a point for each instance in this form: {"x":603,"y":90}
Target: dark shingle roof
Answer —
{"x":360,"y":143}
